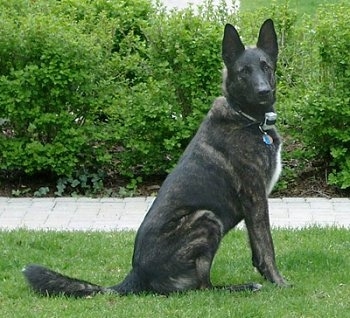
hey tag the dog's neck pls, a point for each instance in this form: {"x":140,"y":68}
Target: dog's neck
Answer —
{"x":266,"y":124}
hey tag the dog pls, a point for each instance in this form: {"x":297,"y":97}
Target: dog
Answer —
{"x":223,"y":177}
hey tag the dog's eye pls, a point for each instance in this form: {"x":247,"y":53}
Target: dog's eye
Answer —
{"x":264,"y":66}
{"x":245,"y":70}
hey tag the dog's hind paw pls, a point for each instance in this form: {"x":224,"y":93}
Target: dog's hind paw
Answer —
{"x":253,"y":287}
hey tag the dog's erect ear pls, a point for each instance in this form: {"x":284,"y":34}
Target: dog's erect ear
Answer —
{"x":232,"y":45}
{"x":267,"y":40}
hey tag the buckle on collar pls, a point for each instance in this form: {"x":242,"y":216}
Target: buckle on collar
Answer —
{"x":269,"y":121}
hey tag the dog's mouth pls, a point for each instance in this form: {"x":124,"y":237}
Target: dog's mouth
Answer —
{"x":265,"y":100}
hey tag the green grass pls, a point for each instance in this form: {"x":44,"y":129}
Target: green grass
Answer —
{"x":315,"y":260}
{"x":302,"y":6}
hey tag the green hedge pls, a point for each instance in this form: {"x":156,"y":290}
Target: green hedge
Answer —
{"x":91,"y":89}
{"x":55,"y":78}
{"x":326,"y":100}
{"x":108,"y":87}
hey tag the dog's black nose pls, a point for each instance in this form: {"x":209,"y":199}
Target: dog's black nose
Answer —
{"x":264,"y":91}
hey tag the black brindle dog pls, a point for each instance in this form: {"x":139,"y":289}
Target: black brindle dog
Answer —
{"x":224,"y":176}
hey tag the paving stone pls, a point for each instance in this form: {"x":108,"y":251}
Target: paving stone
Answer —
{"x":321,"y":204}
{"x":341,"y":200}
{"x":278,"y":212}
{"x":14,"y":212}
{"x":56,"y":223}
{"x":66,"y":199}
{"x":112,"y":200}
{"x":135,"y":199}
{"x":105,"y":226}
{"x":317,"y":199}
{"x":115,"y":214}
{"x":294,"y":200}
{"x":20,"y":200}
{"x":342,"y":207}
{"x":110,"y":214}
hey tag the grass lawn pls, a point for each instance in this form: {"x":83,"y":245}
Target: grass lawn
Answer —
{"x":302,"y":6}
{"x":315,"y":260}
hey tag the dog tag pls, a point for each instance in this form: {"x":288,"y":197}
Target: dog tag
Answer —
{"x":267,"y":139}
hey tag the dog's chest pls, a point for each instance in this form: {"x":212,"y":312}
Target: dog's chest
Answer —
{"x":266,"y":157}
{"x":276,"y":169}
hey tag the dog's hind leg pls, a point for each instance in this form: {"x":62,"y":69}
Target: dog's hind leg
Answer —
{"x":199,"y":249}
{"x":203,"y":265}
{"x":195,"y":241}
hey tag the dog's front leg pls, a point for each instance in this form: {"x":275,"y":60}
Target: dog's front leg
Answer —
{"x":263,"y":253}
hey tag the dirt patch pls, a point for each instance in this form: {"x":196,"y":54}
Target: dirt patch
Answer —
{"x":311,"y":186}
{"x":310,"y":183}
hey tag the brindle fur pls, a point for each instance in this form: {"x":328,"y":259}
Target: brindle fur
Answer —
{"x":223,"y":177}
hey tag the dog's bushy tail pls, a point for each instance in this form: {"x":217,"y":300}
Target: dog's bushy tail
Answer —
{"x":49,"y":283}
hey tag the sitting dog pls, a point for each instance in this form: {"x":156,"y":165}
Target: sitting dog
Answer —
{"x":224,"y":176}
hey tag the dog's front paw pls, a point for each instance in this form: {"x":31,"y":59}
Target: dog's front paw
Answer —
{"x":282,"y":283}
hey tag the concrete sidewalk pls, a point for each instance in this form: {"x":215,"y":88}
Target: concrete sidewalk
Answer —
{"x":108,"y":214}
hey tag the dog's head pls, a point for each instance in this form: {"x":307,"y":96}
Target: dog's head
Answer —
{"x":249,"y":74}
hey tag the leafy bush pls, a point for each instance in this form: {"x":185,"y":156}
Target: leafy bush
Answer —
{"x":173,"y":85}
{"x":175,"y":82}
{"x":50,"y":96}
{"x":327,"y":104}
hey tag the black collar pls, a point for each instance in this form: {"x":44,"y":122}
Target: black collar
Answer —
{"x":267,"y":124}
